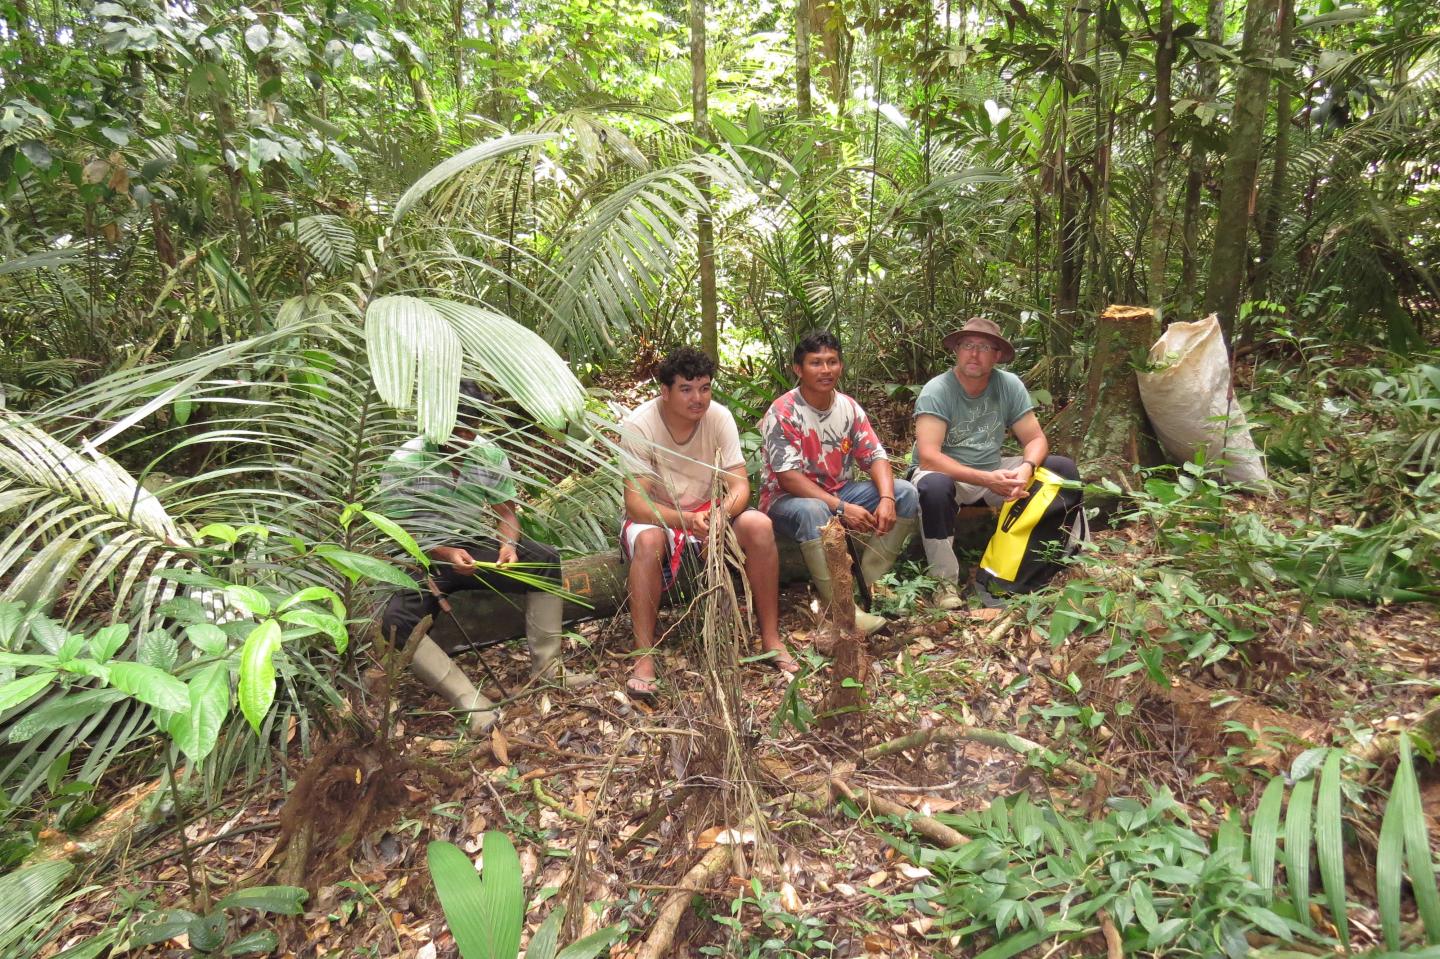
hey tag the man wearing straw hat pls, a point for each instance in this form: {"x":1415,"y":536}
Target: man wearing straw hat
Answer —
{"x":961,"y":420}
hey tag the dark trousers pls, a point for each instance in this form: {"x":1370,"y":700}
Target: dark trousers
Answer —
{"x":408,"y":607}
{"x":938,"y":502}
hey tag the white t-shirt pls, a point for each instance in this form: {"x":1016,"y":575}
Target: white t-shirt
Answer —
{"x":679,"y":475}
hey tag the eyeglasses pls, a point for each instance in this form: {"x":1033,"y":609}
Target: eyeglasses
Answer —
{"x":974,"y":346}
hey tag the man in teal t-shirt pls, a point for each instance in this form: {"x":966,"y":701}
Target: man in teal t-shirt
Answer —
{"x":961,"y":420}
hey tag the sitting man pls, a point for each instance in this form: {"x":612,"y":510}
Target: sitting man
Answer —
{"x":961,"y":418}
{"x":814,"y":438}
{"x":432,"y":489}
{"x":672,"y":446}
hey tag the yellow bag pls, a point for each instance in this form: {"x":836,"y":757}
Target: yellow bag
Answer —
{"x":1018,"y":519}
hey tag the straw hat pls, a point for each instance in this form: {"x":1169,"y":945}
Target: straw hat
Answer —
{"x":979,"y":326}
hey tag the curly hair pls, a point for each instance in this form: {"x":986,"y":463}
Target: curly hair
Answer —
{"x":687,"y":363}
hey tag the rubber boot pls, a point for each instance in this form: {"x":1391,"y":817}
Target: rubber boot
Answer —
{"x":940,"y":553}
{"x":814,"y":553}
{"x":545,"y":632}
{"x":438,"y":671}
{"x":882,"y":551}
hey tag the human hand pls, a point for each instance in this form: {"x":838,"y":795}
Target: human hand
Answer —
{"x":885,"y":515}
{"x":458,"y":559}
{"x":697,"y":524}
{"x":507,"y":555}
{"x":856,"y":517}
{"x":1008,"y":484}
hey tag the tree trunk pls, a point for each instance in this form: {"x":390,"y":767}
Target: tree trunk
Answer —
{"x":1159,"y":238}
{"x":829,"y":21}
{"x":1237,"y":183}
{"x":419,"y":89}
{"x":1069,"y":233}
{"x":1209,"y":79}
{"x":704,"y":226}
{"x":1275,"y":197}
{"x":802,"y":60}
{"x":1105,"y":430}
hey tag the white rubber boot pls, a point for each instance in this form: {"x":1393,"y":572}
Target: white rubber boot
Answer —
{"x":438,"y":671}
{"x":940,"y":553}
{"x":545,"y":632}
{"x":814,"y":553}
{"x":882,"y":551}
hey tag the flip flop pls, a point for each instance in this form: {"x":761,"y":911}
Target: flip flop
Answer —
{"x":646,"y":696}
{"x":782,"y":659}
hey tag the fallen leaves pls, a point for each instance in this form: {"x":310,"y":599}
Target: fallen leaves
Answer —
{"x":724,"y":836}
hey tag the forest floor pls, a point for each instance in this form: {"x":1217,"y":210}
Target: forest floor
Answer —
{"x":566,"y":767}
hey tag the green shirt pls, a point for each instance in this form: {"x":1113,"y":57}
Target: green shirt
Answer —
{"x":435,"y":495}
{"x":976,"y":425}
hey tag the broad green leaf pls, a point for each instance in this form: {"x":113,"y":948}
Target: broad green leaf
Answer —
{"x":357,"y":566}
{"x":1264,"y":834}
{"x":262,"y":942}
{"x":1297,"y":846}
{"x":257,"y":672}
{"x":311,"y":594}
{"x":1329,"y":844}
{"x":546,"y":941}
{"x":159,"y":649}
{"x":221,"y":531}
{"x":17,"y":691}
{"x":324,"y":622}
{"x":207,"y":637}
{"x":247,"y":600}
{"x":153,"y":687}
{"x":279,"y":900}
{"x":1390,"y":863}
{"x":108,"y":640}
{"x":196,"y":730}
{"x":485,"y":913}
{"x":1417,"y":844}
{"x":391,"y":529}
{"x":159,"y":925}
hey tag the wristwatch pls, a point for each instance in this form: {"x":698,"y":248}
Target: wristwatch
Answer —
{"x":1033,"y":466}
{"x":840,"y":509}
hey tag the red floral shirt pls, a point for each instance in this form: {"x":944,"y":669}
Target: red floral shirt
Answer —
{"x":826,"y":445}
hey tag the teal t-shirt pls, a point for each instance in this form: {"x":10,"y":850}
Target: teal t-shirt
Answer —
{"x":976,"y":424}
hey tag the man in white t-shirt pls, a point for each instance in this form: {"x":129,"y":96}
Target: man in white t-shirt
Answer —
{"x":676,"y":445}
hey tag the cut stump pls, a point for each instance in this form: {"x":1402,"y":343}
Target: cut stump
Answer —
{"x":845,"y":701}
{"x":1105,"y":430}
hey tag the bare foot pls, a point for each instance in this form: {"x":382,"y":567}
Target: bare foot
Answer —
{"x":642,"y":688}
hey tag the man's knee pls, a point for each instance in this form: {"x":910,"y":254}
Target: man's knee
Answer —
{"x":936,"y":494}
{"x":753,"y":528}
{"x":1062,"y":466}
{"x":907,"y":499}
{"x":808,"y":516}
{"x":649,"y":546}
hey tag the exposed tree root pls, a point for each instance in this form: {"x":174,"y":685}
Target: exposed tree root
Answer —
{"x":987,"y":737}
{"x":701,"y":876}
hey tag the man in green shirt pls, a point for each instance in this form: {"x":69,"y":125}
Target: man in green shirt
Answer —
{"x":961,"y":420}
{"x":445,"y":496}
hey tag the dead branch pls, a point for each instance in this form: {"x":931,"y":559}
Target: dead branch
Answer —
{"x":1114,"y":945}
{"x":927,"y":826}
{"x":987,"y":737}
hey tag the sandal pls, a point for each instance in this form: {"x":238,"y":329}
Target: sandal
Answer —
{"x":781,"y":658}
{"x":642,"y":689}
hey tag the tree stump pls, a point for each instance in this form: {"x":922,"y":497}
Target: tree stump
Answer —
{"x":845,"y":700}
{"x":1105,"y":430}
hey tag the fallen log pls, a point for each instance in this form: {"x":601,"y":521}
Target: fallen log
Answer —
{"x":927,"y":826}
{"x":662,"y":935}
{"x":599,"y":582}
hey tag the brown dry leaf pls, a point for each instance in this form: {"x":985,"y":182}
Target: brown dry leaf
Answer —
{"x":913,"y":872}
{"x":426,"y":951}
{"x":581,"y":805}
{"x":724,"y":836}
{"x":984,"y":614}
{"x":96,"y":171}
{"x":119,"y":179}
{"x":875,"y":942}
{"x":875,"y":879}
{"x":789,"y":898}
{"x":500,"y":746}
{"x":845,"y":889}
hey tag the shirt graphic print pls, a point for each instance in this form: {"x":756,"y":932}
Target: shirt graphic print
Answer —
{"x":825,"y":445}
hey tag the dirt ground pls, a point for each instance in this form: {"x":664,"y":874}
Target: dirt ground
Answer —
{"x":572,"y":766}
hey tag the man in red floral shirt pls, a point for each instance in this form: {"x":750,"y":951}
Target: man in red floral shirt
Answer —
{"x":815,"y":436}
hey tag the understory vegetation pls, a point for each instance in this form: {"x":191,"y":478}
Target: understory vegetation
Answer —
{"x":246,"y":252}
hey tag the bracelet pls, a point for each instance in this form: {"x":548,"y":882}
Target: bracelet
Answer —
{"x":890,"y":498}
{"x":1033,"y":466}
